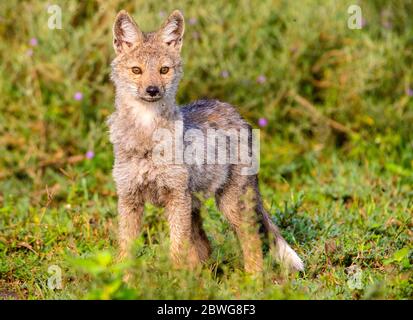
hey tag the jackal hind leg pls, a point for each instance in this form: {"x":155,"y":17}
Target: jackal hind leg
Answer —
{"x":235,"y":201}
{"x":199,"y":236}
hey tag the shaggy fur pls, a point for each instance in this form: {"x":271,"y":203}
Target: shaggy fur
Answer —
{"x":141,"y":62}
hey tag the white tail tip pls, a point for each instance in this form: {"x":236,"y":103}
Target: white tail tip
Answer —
{"x":288,"y":257}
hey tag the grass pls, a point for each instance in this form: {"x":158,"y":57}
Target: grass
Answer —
{"x":341,"y":194}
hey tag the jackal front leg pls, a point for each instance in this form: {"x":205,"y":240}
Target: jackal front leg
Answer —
{"x":130,"y":218}
{"x":183,"y":251}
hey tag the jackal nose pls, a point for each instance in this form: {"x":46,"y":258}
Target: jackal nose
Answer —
{"x":152,"y":90}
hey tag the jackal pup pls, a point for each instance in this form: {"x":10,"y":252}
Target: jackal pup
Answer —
{"x":146,"y":73}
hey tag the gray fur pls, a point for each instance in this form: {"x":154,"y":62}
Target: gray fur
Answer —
{"x":174,"y":186}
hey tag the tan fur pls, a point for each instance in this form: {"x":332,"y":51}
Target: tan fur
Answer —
{"x":173,"y":186}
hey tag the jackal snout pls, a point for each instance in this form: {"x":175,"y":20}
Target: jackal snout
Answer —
{"x":153,"y":91}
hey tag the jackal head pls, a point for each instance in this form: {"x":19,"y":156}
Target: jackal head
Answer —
{"x":148,"y":65}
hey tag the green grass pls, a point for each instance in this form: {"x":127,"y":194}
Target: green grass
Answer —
{"x":342,"y":196}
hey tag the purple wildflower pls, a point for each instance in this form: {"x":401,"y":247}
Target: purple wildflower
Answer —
{"x":261,"y":79}
{"x":33,"y":42}
{"x":78,"y":96}
{"x":225,"y":74}
{"x":293,"y":49}
{"x":363,"y":22}
{"x":195,"y":35}
{"x":192,"y":21}
{"x":262,"y":122}
{"x":387,"y":25}
{"x":409,"y":92}
{"x":90,"y":154}
{"x":29,"y":53}
{"x":386,"y":17}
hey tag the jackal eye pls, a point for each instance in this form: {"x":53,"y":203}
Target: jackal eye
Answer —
{"x":164,"y":70}
{"x":136,"y":70}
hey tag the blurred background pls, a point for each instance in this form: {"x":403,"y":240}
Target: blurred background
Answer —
{"x":335,"y":109}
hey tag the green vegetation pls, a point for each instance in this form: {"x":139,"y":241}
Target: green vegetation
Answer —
{"x":336,"y":155}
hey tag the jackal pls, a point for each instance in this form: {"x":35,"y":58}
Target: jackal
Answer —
{"x":146,"y":72}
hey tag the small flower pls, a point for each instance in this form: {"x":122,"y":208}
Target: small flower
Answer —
{"x":387,"y":25}
{"x":33,"y":42}
{"x":261,"y":79}
{"x":162,"y":14}
{"x":225,"y":74}
{"x":409,"y":92}
{"x":293,"y":49}
{"x":386,"y":17}
{"x":195,"y":35}
{"x":29,"y":53}
{"x":90,"y":154}
{"x":78,"y":96}
{"x":262,"y":122}
{"x":192,"y":21}
{"x":363,"y":22}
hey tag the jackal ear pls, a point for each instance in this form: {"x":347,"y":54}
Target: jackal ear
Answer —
{"x":172,"y":31}
{"x":125,"y":32}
